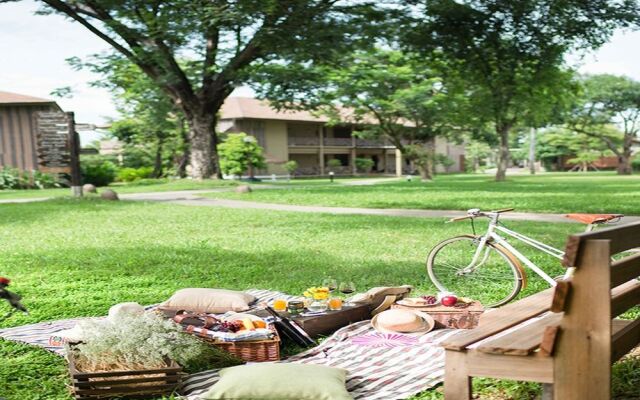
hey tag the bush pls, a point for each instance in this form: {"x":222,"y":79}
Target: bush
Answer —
{"x":291,"y":166}
{"x":134,"y":174}
{"x":364,"y":164}
{"x":136,"y":157}
{"x":635,"y":164}
{"x":98,"y":170}
{"x":334,"y":163}
{"x":12,"y":178}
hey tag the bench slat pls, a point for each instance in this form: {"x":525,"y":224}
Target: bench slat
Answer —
{"x":626,"y":336}
{"x":502,"y":319}
{"x":523,"y":341}
{"x":624,"y":297}
{"x":625,"y":270}
{"x":622,"y":238}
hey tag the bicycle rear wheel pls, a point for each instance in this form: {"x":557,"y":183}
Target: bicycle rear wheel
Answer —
{"x":495,"y":280}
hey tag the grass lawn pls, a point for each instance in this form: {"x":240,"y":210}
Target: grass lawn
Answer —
{"x":159,"y":185}
{"x":553,"y":192}
{"x":72,"y":258}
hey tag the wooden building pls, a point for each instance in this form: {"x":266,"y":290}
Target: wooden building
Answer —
{"x":18,"y":139}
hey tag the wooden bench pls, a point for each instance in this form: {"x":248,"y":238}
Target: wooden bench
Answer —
{"x":565,"y":337}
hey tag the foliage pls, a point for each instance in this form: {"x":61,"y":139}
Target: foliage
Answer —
{"x":334,"y":163}
{"x":476,"y":151}
{"x":240,"y":152}
{"x":610,"y":100}
{"x":134,"y":174}
{"x":197,"y":52}
{"x":131,"y":342}
{"x":291,"y":166}
{"x":13,"y":178}
{"x":364,"y":165}
{"x":557,"y":143}
{"x":98,"y":170}
{"x":136,"y":156}
{"x":511,"y":53}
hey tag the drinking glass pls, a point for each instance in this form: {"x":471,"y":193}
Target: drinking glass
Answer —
{"x":280,"y":305}
{"x":330,"y":283}
{"x":335,"y":304}
{"x":347,"y":288}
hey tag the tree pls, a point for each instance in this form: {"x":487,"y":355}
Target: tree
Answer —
{"x":558,"y":143}
{"x":240,"y":153}
{"x":610,"y":100}
{"x":511,"y":53}
{"x":387,"y":93}
{"x":291,"y":166}
{"x":198,"y":51}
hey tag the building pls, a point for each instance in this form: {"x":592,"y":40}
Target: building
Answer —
{"x":307,"y":139}
{"x":18,"y":139}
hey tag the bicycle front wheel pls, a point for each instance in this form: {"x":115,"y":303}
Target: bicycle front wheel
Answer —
{"x":494,"y":279}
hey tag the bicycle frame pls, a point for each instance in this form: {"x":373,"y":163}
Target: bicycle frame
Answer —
{"x":496,"y":238}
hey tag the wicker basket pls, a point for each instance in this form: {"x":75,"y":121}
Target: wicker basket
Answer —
{"x":251,"y":350}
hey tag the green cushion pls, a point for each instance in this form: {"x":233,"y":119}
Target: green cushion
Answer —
{"x":280,"y":382}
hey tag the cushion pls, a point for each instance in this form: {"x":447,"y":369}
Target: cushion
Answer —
{"x":208,"y":300}
{"x":268,"y":381}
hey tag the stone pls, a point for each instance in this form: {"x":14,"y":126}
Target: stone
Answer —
{"x":244,"y":189}
{"x":89,"y":188}
{"x":109,"y":195}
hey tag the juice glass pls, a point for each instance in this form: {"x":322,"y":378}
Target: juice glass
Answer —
{"x":335,"y":304}
{"x":280,"y":305}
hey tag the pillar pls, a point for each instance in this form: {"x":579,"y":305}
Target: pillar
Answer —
{"x":321,"y":150}
{"x":398,"y":163}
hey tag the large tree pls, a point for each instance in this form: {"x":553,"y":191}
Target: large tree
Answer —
{"x":198,"y":51}
{"x":511,"y":53}
{"x":610,"y":100}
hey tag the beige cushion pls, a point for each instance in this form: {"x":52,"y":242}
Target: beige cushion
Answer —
{"x":266,"y":381}
{"x":208,"y":300}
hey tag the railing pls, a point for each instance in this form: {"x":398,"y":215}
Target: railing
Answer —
{"x":303,"y":141}
{"x":337,"y":141}
{"x":372,"y":143}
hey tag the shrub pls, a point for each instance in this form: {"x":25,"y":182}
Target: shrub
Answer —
{"x":12,"y":178}
{"x":334,"y":163}
{"x":364,"y":164}
{"x":635,"y":164}
{"x":291,"y":166}
{"x":134,"y":156}
{"x":134,"y":174}
{"x":98,"y":170}
{"x":238,"y":153}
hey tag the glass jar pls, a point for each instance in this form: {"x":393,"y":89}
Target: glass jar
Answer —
{"x":318,"y":305}
{"x":295,"y":307}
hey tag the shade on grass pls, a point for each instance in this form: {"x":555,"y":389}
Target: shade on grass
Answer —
{"x":553,"y":192}
{"x":71,"y":258}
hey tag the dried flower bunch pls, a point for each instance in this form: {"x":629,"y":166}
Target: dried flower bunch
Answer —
{"x":132,"y":342}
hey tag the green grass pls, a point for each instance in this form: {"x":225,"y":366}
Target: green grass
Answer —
{"x":553,"y":192}
{"x":147,"y":185}
{"x":72,"y":258}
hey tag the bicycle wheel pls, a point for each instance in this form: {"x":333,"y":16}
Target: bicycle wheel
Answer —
{"x":496,"y":279}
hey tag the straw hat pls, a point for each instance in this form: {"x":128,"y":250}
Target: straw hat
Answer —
{"x":402,"y":321}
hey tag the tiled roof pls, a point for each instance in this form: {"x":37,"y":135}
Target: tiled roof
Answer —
{"x":245,"y":107}
{"x":15,"y":98}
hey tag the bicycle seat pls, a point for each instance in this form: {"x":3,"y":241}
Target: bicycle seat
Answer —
{"x":593,"y":218}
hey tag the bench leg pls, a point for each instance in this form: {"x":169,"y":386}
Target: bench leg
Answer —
{"x":547,"y":391}
{"x":457,"y":382}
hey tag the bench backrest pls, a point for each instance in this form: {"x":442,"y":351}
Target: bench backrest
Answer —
{"x":599,"y":291}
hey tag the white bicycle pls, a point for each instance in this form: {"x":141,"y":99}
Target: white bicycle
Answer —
{"x":486,"y":267}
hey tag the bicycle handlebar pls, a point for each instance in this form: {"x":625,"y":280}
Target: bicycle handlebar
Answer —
{"x":475,"y":212}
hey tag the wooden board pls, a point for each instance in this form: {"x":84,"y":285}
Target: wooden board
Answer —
{"x":53,"y":147}
{"x":333,"y":320}
{"x":622,"y":238}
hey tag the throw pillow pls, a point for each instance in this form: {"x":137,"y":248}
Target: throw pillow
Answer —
{"x":280,"y":382}
{"x":203,"y":300}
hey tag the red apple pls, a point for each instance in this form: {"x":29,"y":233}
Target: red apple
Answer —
{"x":449,"y":301}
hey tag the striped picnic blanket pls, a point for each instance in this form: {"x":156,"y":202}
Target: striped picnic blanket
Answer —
{"x":375,"y":372}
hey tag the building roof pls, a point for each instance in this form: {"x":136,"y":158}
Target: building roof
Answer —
{"x":20,"y":99}
{"x":245,"y":107}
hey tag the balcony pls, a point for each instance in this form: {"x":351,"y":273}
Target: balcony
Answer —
{"x":372,"y":143}
{"x":337,"y":142}
{"x":303,"y":141}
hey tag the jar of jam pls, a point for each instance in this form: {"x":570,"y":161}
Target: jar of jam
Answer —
{"x":295,"y":307}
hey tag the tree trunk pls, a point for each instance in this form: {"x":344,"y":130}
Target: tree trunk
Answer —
{"x":624,"y":158}
{"x":157,"y":166}
{"x":203,"y":147}
{"x":503,"y":153}
{"x":184,"y":158}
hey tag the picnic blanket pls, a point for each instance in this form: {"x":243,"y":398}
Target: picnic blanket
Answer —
{"x":379,"y":366}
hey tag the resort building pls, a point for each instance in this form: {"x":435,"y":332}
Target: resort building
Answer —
{"x":18,"y":129}
{"x":307,"y":139}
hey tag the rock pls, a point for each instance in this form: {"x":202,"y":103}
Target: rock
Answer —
{"x":243,"y":189}
{"x":89,"y":188}
{"x":109,"y":195}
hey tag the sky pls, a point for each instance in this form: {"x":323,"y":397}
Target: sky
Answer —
{"x":33,"y":50}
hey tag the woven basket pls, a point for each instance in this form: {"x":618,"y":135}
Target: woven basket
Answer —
{"x":251,"y":350}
